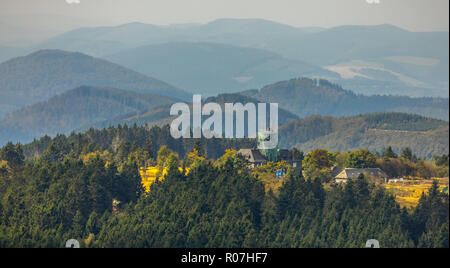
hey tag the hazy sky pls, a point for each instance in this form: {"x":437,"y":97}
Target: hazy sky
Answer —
{"x":415,"y":15}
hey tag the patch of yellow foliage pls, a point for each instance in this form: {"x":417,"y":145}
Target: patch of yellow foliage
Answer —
{"x":409,"y":192}
{"x":151,"y":174}
{"x":105,"y":155}
{"x":3,"y":164}
{"x":267,"y":175}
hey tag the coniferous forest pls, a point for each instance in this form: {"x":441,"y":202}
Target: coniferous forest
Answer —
{"x":225,"y":131}
{"x":87,"y":187}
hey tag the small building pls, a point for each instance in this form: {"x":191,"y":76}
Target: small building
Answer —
{"x":335,"y":171}
{"x":396,"y":180}
{"x":254,"y":156}
{"x":264,"y":154}
{"x":257,"y":158}
{"x":349,"y":173}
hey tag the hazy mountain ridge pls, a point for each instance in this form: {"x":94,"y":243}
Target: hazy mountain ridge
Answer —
{"x":317,"y":47}
{"x":136,"y":34}
{"x":73,"y":109}
{"x":86,"y":107}
{"x":44,"y":74}
{"x":306,"y":97}
{"x":358,"y":55}
{"x":209,"y":68}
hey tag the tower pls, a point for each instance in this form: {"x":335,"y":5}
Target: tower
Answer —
{"x":271,"y":155}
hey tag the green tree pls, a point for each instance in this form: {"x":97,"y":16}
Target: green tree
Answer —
{"x":408,"y":155}
{"x":13,"y":154}
{"x":389,"y":153}
{"x":318,"y":158}
{"x":361,"y":159}
{"x":442,"y":161}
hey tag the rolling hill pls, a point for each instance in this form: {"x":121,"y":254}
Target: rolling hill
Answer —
{"x":374,"y":131}
{"x":73,"y":109}
{"x":88,"y":107}
{"x":425,"y":136}
{"x":44,"y":74}
{"x":305,"y":97}
{"x":210,"y":68}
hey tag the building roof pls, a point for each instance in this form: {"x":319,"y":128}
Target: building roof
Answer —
{"x":355,"y":172}
{"x":253,"y":155}
{"x":335,"y":171}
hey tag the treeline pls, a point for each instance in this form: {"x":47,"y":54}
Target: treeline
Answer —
{"x":122,"y":140}
{"x":74,"y":189}
{"x":401,"y":121}
{"x":319,"y":163}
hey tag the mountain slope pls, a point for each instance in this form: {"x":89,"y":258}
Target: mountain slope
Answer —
{"x":73,"y":109}
{"x":210,"y":68}
{"x":44,"y":74}
{"x":306,"y":97}
{"x":426,"y":137}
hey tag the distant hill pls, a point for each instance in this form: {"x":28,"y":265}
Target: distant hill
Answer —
{"x":44,"y":74}
{"x":317,"y":46}
{"x":380,"y":59}
{"x":100,"y":41}
{"x":161,"y":116}
{"x":73,"y":109}
{"x":306,"y":97}
{"x":367,"y":42}
{"x":88,"y":107}
{"x":211,"y":68}
{"x":425,"y":136}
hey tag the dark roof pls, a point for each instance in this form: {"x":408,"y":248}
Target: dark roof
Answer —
{"x":253,"y":155}
{"x":335,"y":171}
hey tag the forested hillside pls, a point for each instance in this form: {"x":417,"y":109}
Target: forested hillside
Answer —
{"x":87,"y":187}
{"x":126,"y":138}
{"x":44,"y":74}
{"x":375,"y":132}
{"x":306,"y":97}
{"x":71,"y":110}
